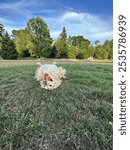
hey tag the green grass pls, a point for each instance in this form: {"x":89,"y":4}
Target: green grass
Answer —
{"x":75,"y":116}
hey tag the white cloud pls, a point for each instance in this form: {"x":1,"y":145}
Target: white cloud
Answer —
{"x":19,"y":8}
{"x":90,"y":26}
{"x":17,"y":5}
{"x":103,"y":34}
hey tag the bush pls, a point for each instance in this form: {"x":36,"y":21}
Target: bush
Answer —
{"x":62,"y":48}
{"x":80,"y":56}
{"x":101,"y":53}
{"x":53,"y":52}
{"x":72,"y":52}
{"x":24,"y":53}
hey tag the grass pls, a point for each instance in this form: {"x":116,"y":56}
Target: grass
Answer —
{"x":75,"y":116}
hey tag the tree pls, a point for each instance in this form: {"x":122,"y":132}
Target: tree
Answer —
{"x":40,"y":37}
{"x":53,"y":53}
{"x":81,"y":44}
{"x":89,"y":52}
{"x":1,"y":34}
{"x":108,"y":46}
{"x":8,"y":50}
{"x":63,"y":34}
{"x":80,"y":55}
{"x":100,"y":53}
{"x":62,"y":48}
{"x":73,"y":51}
{"x":23,"y":42}
{"x":78,"y":41}
{"x":61,"y":45}
{"x":1,"y":30}
{"x":97,"y":42}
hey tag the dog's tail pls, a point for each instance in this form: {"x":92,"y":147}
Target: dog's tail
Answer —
{"x":39,"y":63}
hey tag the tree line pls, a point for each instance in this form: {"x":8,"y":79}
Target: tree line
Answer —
{"x":35,"y":41}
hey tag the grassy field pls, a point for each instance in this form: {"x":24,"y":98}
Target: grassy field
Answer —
{"x":75,"y":116}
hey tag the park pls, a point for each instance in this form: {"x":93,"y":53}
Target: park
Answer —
{"x":77,"y":115}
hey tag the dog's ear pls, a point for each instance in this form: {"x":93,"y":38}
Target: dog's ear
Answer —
{"x":39,"y":63}
{"x":62,"y":72}
{"x":54,"y":63}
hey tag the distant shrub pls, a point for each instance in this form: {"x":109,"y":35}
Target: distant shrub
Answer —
{"x":80,"y":56}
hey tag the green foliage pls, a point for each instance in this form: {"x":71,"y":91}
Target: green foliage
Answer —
{"x":96,"y":42}
{"x":80,"y":44}
{"x":1,"y":34}
{"x":35,"y":41}
{"x":24,"y":53}
{"x":63,"y":34}
{"x":62,"y":48}
{"x":53,"y":53}
{"x":72,"y":52}
{"x":23,"y":42}
{"x":91,"y":51}
{"x":84,"y":53}
{"x":8,"y":50}
{"x":1,"y":30}
{"x":80,"y":55}
{"x":40,"y":37}
{"x":77,"y":47}
{"x":78,"y":41}
{"x":101,"y":53}
{"x":108,"y":46}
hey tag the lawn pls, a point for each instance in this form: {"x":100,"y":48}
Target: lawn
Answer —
{"x":75,"y":116}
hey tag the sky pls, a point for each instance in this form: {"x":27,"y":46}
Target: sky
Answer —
{"x":89,"y":18}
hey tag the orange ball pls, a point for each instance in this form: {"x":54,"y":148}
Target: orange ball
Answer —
{"x":47,"y":77}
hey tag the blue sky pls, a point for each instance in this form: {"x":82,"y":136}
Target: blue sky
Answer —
{"x":89,"y":18}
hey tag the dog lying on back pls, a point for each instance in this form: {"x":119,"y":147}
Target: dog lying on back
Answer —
{"x":50,"y":76}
